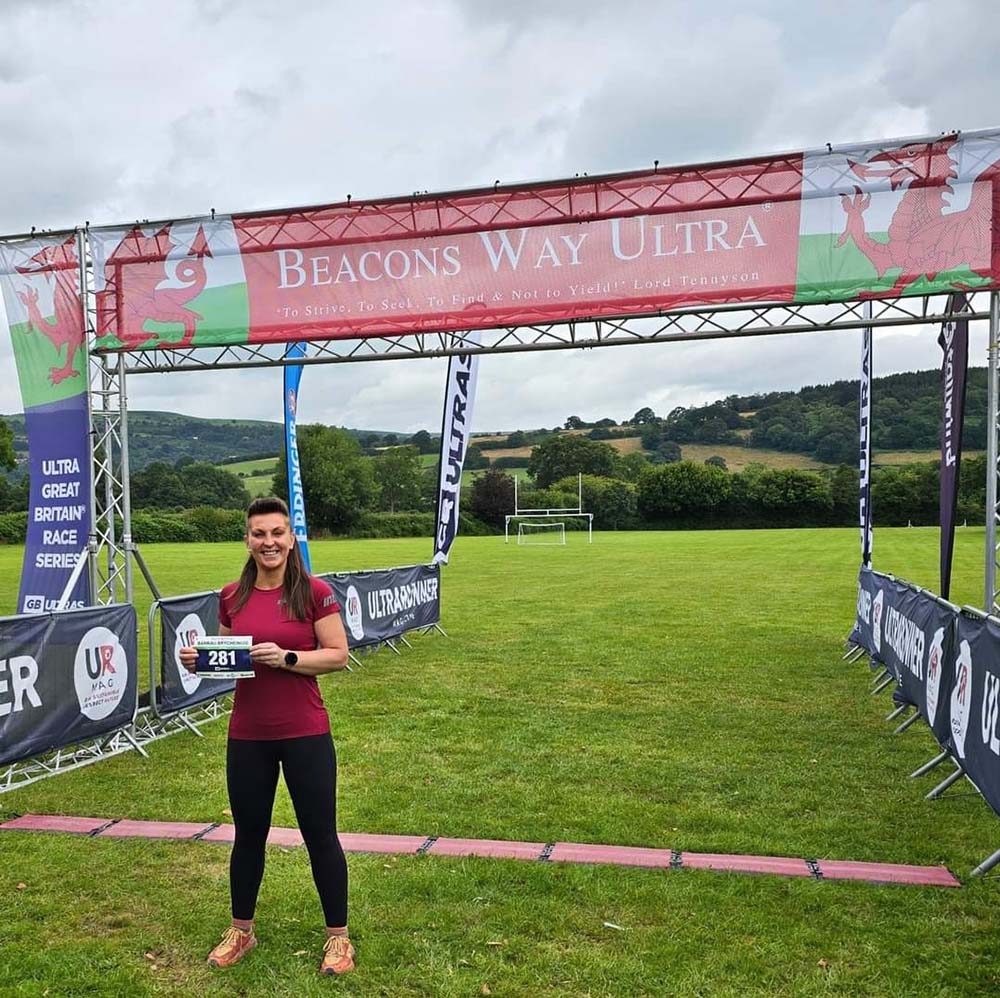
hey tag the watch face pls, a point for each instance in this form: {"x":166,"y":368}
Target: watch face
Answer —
{"x":291,"y":658}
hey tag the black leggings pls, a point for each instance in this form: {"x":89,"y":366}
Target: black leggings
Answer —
{"x":310,"y":768}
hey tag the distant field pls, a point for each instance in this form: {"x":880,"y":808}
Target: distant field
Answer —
{"x":737,"y":458}
{"x":680,"y":690}
{"x":264,"y":465}
{"x":912,"y":456}
{"x":257,"y":476}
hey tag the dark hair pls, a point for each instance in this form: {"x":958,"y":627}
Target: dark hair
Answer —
{"x":296,"y":591}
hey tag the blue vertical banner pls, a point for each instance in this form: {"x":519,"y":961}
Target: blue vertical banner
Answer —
{"x":296,"y":499}
{"x":40,"y":280}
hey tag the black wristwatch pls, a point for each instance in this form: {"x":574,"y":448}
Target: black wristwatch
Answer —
{"x":291,"y":659}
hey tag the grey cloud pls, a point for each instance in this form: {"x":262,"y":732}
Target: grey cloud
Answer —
{"x":949,"y":73}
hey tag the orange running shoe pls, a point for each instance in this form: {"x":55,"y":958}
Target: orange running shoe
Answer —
{"x":338,"y":956}
{"x":235,"y":945}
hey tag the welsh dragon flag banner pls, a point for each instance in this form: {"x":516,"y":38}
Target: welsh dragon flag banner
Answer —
{"x":900,"y":218}
{"x":40,"y":281}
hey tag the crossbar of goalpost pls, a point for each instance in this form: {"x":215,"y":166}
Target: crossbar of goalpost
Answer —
{"x":542,"y":514}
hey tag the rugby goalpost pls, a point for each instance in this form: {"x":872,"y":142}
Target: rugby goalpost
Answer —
{"x":550,"y":516}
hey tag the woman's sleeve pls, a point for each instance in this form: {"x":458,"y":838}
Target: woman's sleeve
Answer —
{"x":224,"y":617}
{"x":324,"y":602}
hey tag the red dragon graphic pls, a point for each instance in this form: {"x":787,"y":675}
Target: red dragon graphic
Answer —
{"x":134,"y":296}
{"x":923,"y":240}
{"x":60,"y":261}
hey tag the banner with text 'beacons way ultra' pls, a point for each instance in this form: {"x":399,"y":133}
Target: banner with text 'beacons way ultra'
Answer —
{"x":40,"y":280}
{"x":903,"y":218}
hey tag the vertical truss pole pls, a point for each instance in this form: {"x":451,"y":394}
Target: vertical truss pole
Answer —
{"x":91,"y":372}
{"x":993,"y":422}
{"x":126,"y":489}
{"x":107,"y":407}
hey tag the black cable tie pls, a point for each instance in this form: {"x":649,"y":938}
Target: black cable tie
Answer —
{"x":814,"y":871}
{"x":211,"y":828}
{"x":676,"y":860}
{"x":104,"y":827}
{"x":546,"y":854}
{"x":423,"y":849}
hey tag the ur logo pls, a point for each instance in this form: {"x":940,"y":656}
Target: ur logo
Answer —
{"x":190,"y":630}
{"x":877,"y":604}
{"x":961,"y":696}
{"x":100,"y":673}
{"x":934,"y":670}
{"x":353,"y":613}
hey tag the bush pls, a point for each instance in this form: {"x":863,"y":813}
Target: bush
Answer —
{"x":13,"y":528}
{"x":151,"y":526}
{"x":509,"y":462}
{"x":214,"y":524}
{"x":412,"y":525}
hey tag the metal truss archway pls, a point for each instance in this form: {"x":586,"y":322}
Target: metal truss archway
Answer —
{"x":111,"y":547}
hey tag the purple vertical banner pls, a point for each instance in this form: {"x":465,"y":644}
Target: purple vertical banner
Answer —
{"x":296,"y":497}
{"x":865,"y":450}
{"x":40,"y":280}
{"x":954,"y":341}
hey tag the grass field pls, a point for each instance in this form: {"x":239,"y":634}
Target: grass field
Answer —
{"x":677,"y":690}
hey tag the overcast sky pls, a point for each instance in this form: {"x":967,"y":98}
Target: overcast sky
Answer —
{"x":143,"y":109}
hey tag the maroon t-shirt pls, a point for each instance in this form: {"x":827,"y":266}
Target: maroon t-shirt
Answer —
{"x":277,"y":703}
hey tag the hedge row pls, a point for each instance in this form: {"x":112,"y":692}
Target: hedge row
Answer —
{"x":412,"y":525}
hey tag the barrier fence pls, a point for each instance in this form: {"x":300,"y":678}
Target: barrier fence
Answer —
{"x":70,"y":676}
{"x":945,"y":662}
{"x":66,"y":677}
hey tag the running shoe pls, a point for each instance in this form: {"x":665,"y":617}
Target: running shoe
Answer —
{"x":235,"y":945}
{"x":338,"y":956}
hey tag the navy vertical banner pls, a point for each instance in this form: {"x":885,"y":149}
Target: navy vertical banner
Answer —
{"x":954,"y":341}
{"x":40,"y":279}
{"x":296,"y":498}
{"x":975,"y":704}
{"x":456,"y":429}
{"x":865,"y":451}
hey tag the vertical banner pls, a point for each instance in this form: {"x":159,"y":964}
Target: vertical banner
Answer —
{"x":296,"y":498}
{"x":456,"y":428}
{"x":40,"y":280}
{"x":954,"y":341}
{"x":865,"y":450}
{"x":975,"y":704}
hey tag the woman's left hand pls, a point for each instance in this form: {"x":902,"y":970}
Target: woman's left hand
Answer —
{"x":269,"y":654}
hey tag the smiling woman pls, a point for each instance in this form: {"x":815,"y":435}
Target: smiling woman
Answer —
{"x":279,"y":721}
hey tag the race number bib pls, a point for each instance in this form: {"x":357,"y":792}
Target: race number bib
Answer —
{"x":224,"y":657}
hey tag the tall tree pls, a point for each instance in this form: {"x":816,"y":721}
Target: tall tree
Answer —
{"x":398,"y":473}
{"x":566,"y":455}
{"x":492,"y":496}
{"x":7,"y":459}
{"x":338,"y":481}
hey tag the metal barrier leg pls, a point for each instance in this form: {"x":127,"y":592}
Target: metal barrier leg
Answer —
{"x":986,"y":865}
{"x":888,"y":681}
{"x":902,"y":708}
{"x":928,"y":766}
{"x":949,"y":781}
{"x":908,"y":722}
{"x":127,"y":735}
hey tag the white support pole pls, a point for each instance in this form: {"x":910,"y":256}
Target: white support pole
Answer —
{"x":993,"y":418}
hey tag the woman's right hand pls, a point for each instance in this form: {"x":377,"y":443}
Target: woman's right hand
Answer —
{"x":189,"y":658}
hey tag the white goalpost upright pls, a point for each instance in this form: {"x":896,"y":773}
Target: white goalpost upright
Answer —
{"x":548,"y":518}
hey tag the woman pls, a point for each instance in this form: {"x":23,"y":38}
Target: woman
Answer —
{"x":279,"y":719}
